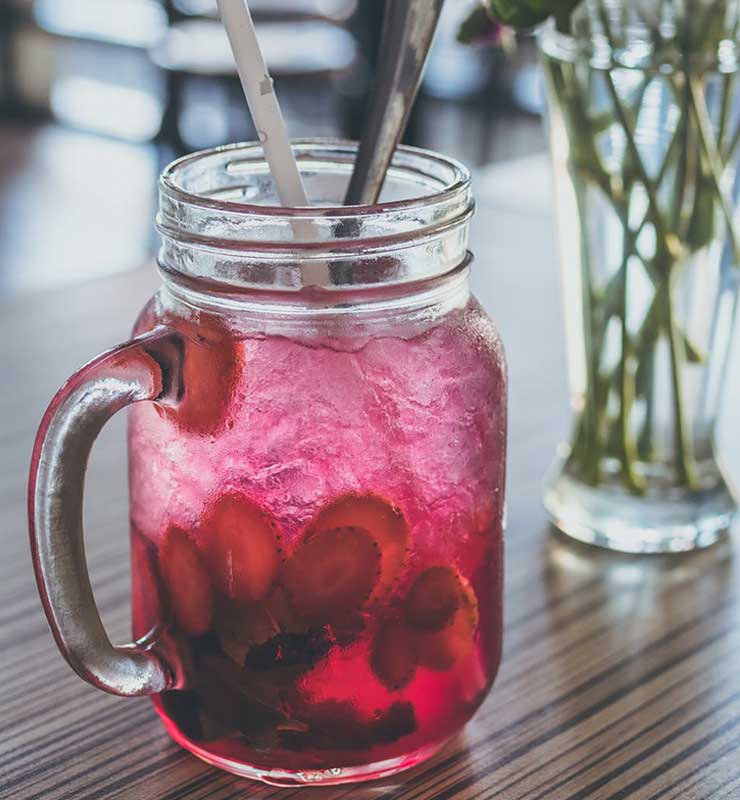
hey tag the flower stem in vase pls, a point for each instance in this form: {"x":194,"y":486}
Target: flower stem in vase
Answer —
{"x":645,"y":109}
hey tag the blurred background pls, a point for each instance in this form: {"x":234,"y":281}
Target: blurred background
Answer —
{"x":97,"y":95}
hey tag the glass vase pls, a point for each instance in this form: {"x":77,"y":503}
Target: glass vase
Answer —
{"x":644,"y":127}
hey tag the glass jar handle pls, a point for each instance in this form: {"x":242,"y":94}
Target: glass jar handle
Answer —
{"x":127,"y":374}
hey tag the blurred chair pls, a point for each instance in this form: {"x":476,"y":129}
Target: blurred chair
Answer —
{"x":316,"y":62}
{"x":145,"y":70}
{"x":86,"y":63}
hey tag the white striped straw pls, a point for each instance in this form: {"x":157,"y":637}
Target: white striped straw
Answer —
{"x":268,"y":118}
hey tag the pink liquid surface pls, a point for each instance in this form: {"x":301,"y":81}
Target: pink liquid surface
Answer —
{"x":418,"y":425}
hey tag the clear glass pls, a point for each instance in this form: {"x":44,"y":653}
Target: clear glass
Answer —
{"x":317,"y":520}
{"x":644,"y":128}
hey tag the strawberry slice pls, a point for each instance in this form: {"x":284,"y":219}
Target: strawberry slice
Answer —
{"x":210,"y":368}
{"x":147,"y":611}
{"x":332,"y":573}
{"x":187,"y":581}
{"x":382,"y":520}
{"x":440,"y":650}
{"x":433,"y":599}
{"x":393,"y":657}
{"x":240,"y":546}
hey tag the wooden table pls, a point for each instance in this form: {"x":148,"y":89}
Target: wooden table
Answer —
{"x":621,"y":676}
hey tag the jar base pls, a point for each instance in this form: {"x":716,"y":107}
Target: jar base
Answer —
{"x":309,"y":777}
{"x":670,"y":521}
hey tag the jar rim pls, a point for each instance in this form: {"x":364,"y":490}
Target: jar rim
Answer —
{"x":171,"y":180}
{"x":212,"y":229}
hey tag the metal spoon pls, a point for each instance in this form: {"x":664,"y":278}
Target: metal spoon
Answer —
{"x":408,"y":30}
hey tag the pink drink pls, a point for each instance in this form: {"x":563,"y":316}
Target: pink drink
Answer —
{"x":317,"y":440}
{"x":317,"y":541}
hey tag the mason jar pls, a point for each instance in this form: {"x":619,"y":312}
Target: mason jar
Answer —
{"x":317,"y":440}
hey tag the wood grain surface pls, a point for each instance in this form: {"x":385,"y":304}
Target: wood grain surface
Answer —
{"x":621,"y":675}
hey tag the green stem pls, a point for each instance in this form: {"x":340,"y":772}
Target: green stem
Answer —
{"x":728,"y":90}
{"x":586,"y":448}
{"x":668,"y":261}
{"x":645,"y":444}
{"x":728,"y":87}
{"x":668,"y":253}
{"x":713,"y":160}
{"x":669,"y":239}
{"x":632,"y":236}
{"x":628,"y":448}
{"x":679,"y":183}
{"x":729,"y":151}
{"x":684,"y":447}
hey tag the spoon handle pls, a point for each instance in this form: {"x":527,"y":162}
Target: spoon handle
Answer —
{"x":408,"y":30}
